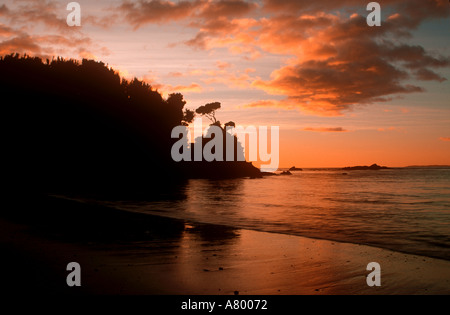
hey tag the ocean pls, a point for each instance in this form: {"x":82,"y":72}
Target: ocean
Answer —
{"x":402,"y":209}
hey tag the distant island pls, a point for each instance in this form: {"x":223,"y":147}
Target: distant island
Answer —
{"x":293,"y":168}
{"x":374,"y":167}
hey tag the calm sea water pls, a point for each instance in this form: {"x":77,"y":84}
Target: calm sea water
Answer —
{"x":405,"y":209}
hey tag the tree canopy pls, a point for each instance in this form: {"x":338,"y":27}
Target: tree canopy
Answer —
{"x":70,"y":123}
{"x":209,"y":110}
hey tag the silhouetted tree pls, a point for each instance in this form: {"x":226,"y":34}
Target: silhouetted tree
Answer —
{"x":177,"y":102}
{"x":209,"y":110}
{"x":188,"y":117}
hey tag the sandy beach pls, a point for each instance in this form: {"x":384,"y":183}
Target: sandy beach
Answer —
{"x":155,"y":255}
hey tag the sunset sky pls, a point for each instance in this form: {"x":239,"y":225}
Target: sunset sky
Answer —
{"x":343,"y":93}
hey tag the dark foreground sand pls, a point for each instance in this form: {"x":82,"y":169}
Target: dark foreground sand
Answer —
{"x":135,"y":254}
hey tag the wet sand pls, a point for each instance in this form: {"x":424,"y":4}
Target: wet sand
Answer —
{"x":139,"y":254}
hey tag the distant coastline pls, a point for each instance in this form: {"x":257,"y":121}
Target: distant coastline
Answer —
{"x":373,"y":167}
{"x":338,"y":168}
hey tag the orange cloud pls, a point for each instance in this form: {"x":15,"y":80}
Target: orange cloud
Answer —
{"x":223,"y":65}
{"x":341,"y":62}
{"x":404,"y":110}
{"x":47,"y":45}
{"x":23,"y":17}
{"x":413,"y":10}
{"x":387,"y":129}
{"x":3,"y":9}
{"x":167,"y":88}
{"x":282,"y":104}
{"x":428,"y":75}
{"x":324,"y":86}
{"x":104,"y":22}
{"x":262,"y":103}
{"x":6,"y":31}
{"x":47,"y":13}
{"x":238,"y":79}
{"x":223,"y":32}
{"x":175,"y":74}
{"x":322,"y":129}
{"x":193,"y":88}
{"x":444,"y":138}
{"x":63,"y":40}
{"x":156,"y":11}
{"x":21,"y":44}
{"x":226,"y":8}
{"x":200,"y":12}
{"x":338,"y":62}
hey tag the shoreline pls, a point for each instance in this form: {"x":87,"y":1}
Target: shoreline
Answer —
{"x":331,"y":239}
{"x":164,"y":256}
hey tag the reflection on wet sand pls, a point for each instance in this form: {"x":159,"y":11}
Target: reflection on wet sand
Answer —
{"x":134,"y":253}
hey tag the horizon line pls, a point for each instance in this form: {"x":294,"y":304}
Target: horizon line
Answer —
{"x":413,"y":165}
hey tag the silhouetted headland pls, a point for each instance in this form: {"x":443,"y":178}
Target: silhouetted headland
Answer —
{"x":374,"y":167}
{"x":72,"y":125}
{"x":293,"y":168}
